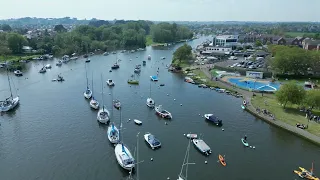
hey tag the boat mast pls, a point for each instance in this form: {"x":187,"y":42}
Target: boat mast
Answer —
{"x":9,"y":84}
{"x":102,"y":92}
{"x":85,"y":65}
{"x":138,"y":155}
{"x":186,"y":163}
{"x":120,"y":137}
{"x":150,"y":90}
{"x":92,"y":84}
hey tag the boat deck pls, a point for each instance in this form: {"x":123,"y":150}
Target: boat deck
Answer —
{"x":201,"y":145}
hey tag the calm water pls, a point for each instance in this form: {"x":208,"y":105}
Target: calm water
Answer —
{"x":54,"y":134}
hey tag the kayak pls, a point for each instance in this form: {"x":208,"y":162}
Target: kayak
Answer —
{"x":138,"y":122}
{"x":243,"y":107}
{"x":244,"y":142}
{"x":298,"y":173}
{"x":222,"y":161}
{"x":309,"y":175}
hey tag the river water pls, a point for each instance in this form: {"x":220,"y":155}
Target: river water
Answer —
{"x":54,"y":135}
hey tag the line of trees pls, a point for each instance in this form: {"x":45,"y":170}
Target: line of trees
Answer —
{"x":295,"y":94}
{"x":97,"y":35}
{"x":294,"y":60}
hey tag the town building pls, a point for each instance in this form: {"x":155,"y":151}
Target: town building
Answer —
{"x":226,"y":40}
{"x":310,"y":44}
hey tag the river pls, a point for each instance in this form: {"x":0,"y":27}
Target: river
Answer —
{"x":54,"y":135}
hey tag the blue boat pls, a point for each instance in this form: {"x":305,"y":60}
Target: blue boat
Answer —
{"x":154,"y":78}
{"x":214,"y":119}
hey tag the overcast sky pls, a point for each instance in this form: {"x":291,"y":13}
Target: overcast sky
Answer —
{"x":166,"y":10}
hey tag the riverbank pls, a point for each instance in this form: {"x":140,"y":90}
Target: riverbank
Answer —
{"x":283,"y":120}
{"x":18,"y":58}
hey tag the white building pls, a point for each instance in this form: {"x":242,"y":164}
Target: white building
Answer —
{"x":226,"y":40}
{"x":211,"y":50}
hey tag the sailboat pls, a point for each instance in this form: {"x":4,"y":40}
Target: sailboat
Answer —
{"x":116,"y":65}
{"x":88,"y":93}
{"x":43,"y":69}
{"x":103,"y":115}
{"x":113,"y":132}
{"x":150,"y":102}
{"x":185,"y":163}
{"x":123,"y":155}
{"x":137,"y":163}
{"x":94,"y":104}
{"x":10,"y":103}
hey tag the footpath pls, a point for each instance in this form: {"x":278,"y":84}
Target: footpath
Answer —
{"x":248,"y":96}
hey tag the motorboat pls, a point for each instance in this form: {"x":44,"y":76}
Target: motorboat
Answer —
{"x":138,"y":122}
{"x":117,"y":104}
{"x":192,"y":136}
{"x":214,"y":119}
{"x":132,"y":81}
{"x":202,"y":146}
{"x":74,"y":58}
{"x":138,"y":66}
{"x":88,"y":93}
{"x":94,"y":104}
{"x":144,"y":63}
{"x":103,"y":115}
{"x":163,"y":113}
{"x":59,"y":79}
{"x":43,"y":70}
{"x":105,"y":53}
{"x":150,"y":103}
{"x":136,"y":70}
{"x":115,"y":66}
{"x":17,"y":73}
{"x":154,"y":78}
{"x":48,"y":66}
{"x":149,"y":57}
{"x":124,"y":157}
{"x":9,"y":104}
{"x":85,"y":56}
{"x":152,"y":141}
{"x":87,"y":60}
{"x":113,"y":134}
{"x":59,"y":63}
{"x":163,"y":58}
{"x":110,"y":82}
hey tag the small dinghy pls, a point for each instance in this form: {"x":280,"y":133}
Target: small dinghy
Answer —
{"x":94,"y":104}
{"x":48,"y":66}
{"x":115,"y":66}
{"x":43,"y":70}
{"x":87,"y":60}
{"x":59,"y":63}
{"x":162,"y":112}
{"x":149,"y":57}
{"x":110,"y":82}
{"x":214,"y":119}
{"x":144,"y":63}
{"x":138,"y":122}
{"x":152,"y":140}
{"x":17,"y":73}
{"x":192,"y":136}
{"x":202,"y":146}
{"x":136,"y":70}
{"x":222,"y":160}
{"x":116,"y":104}
{"x":132,"y":81}
{"x":154,"y":78}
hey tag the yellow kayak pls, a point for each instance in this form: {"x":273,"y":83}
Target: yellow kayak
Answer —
{"x":298,"y":173}
{"x":308,"y":176}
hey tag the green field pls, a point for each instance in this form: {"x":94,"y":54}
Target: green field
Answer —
{"x":17,"y":58}
{"x":295,"y":34}
{"x":291,"y":115}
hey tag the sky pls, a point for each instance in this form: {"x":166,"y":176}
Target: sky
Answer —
{"x":166,"y":10}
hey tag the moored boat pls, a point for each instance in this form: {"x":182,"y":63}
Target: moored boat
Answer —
{"x":59,"y":63}
{"x":124,"y":157}
{"x":149,"y":57}
{"x":117,"y":104}
{"x":94,"y":104}
{"x":115,"y":66}
{"x":162,"y":112}
{"x":192,"y":136}
{"x":43,"y":70}
{"x":138,"y":122}
{"x":110,"y":82}
{"x":202,"y":146}
{"x":214,"y":119}
{"x":154,"y":78}
{"x":150,"y":103}
{"x":152,"y":141}
{"x":132,"y":81}
{"x":48,"y":66}
{"x":17,"y":73}
{"x":11,"y":102}
{"x":103,"y":115}
{"x":113,"y":134}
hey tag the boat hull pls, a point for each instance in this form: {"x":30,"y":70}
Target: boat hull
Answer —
{"x":205,"y":149}
{"x":14,"y":102}
{"x":222,"y":160}
{"x":150,"y":103}
{"x":244,"y":143}
{"x":146,"y":138}
{"x":87,"y":95}
{"x":119,"y":153}
{"x":103,"y":119}
{"x":113,"y":134}
{"x":94,"y":104}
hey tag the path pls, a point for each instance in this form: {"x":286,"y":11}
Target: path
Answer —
{"x":248,"y":96}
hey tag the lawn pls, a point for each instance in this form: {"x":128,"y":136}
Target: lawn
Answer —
{"x":17,"y":58}
{"x":295,"y":34}
{"x":149,"y":40}
{"x":291,"y":115}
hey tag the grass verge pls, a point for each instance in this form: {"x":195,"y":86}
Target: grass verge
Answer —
{"x":17,"y":58}
{"x":291,"y":115}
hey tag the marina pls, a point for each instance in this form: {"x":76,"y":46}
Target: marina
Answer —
{"x":55,"y":123}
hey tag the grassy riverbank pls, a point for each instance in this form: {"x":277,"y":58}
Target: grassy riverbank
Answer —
{"x":291,"y":115}
{"x":17,"y":58}
{"x":149,"y":42}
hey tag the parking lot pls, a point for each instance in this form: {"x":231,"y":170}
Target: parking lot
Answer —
{"x":244,"y":63}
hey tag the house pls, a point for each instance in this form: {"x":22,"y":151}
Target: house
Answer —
{"x":310,"y":44}
{"x":280,"y":41}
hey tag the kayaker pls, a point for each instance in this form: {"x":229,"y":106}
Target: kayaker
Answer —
{"x":245,"y":137}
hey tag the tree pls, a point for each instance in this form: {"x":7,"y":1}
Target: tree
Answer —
{"x":16,"y":42}
{"x":183,"y":53}
{"x":313,"y":99}
{"x":59,"y":28}
{"x":258,"y":43}
{"x":5,"y":27}
{"x":290,"y":92}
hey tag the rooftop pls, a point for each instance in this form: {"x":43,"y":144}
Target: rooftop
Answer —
{"x":227,"y":37}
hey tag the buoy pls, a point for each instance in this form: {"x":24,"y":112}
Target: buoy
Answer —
{"x":250,"y":146}
{"x":206,"y":162}
{"x":151,"y":159}
{"x":222,"y":129}
{"x":109,"y":93}
{"x":167,"y":94}
{"x":180,"y":104}
{"x":168,"y":178}
{"x":184,"y":134}
{"x":174,"y":99}
{"x":199,"y":115}
{"x":129,"y":119}
{"x":253,"y":147}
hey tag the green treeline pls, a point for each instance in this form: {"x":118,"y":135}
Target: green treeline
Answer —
{"x":86,"y":38}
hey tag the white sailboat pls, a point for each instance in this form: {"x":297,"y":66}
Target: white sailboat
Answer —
{"x":185,"y":163}
{"x":103,"y":115}
{"x":88,"y":93}
{"x":123,"y":155}
{"x":150,"y":102}
{"x":94,"y":104}
{"x":10,"y":103}
{"x":113,"y":132}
